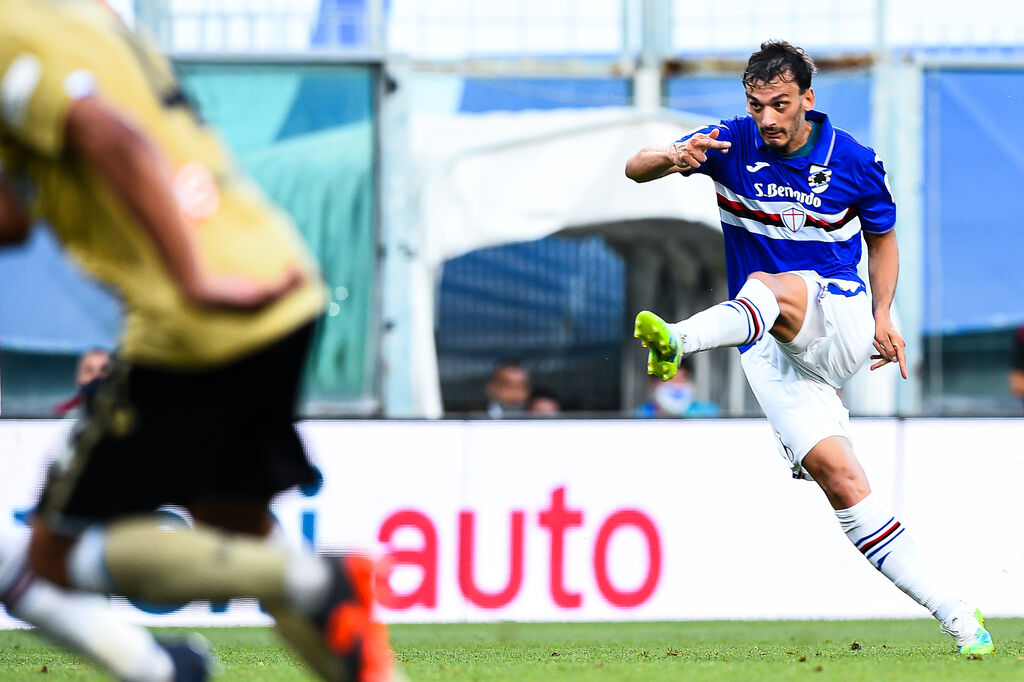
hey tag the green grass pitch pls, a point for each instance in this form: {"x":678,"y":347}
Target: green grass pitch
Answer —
{"x":877,"y":650}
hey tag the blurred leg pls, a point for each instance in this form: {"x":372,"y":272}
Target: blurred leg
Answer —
{"x":82,"y":622}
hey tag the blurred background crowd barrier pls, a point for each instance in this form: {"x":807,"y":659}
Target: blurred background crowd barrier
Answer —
{"x":457,"y":167}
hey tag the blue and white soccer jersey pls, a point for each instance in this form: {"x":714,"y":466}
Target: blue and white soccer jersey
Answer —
{"x":802,"y":215}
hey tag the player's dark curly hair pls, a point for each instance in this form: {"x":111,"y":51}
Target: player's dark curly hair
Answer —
{"x":777,"y":59}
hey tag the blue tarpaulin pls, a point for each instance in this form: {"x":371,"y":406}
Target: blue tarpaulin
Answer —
{"x":48,"y":306}
{"x":974,"y":227}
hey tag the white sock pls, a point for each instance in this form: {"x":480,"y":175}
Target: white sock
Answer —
{"x":84,"y":623}
{"x":13,"y":562}
{"x":307,"y":581}
{"x":87,"y":565}
{"x":738,"y":322}
{"x":884,"y":542}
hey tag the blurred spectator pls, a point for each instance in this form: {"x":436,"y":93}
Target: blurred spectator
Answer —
{"x":93,"y":367}
{"x":544,"y":403}
{"x":674,"y":398}
{"x":1017,"y":368}
{"x":508,"y":391}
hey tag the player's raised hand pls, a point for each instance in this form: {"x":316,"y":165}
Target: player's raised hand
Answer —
{"x":651,"y":163}
{"x":889,"y":346}
{"x":692,"y":152}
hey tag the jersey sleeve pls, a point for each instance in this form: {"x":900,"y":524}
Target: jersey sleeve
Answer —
{"x":714,"y":155}
{"x":877,"y":209}
{"x":37,"y":88}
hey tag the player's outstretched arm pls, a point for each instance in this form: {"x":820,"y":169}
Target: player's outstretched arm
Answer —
{"x":139,"y":175}
{"x":651,"y":163}
{"x":883,"y":271}
{"x":15,"y":222}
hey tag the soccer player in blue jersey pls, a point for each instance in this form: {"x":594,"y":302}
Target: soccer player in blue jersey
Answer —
{"x":795,"y":194}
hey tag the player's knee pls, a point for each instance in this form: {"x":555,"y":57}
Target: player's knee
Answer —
{"x":790,"y":294}
{"x":834,"y":467}
{"x":789,"y":289}
{"x":768,"y":279}
{"x":844,"y":486}
{"x":845,"y":489}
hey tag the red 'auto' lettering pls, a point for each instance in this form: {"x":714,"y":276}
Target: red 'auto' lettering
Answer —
{"x":489,"y":600}
{"x":636,"y":518}
{"x":425,"y":593}
{"x":558,"y":518}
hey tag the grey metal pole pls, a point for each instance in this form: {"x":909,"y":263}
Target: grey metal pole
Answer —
{"x":656,"y":23}
{"x":898,"y":134}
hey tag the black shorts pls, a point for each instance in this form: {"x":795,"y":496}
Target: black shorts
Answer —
{"x":160,"y":437}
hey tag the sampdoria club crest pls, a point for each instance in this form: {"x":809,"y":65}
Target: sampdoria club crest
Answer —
{"x":793,"y":217}
{"x":818,"y":178}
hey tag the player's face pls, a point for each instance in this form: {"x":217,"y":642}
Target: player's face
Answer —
{"x":778,"y":108}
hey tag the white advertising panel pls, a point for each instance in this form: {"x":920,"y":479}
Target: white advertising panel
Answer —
{"x":964,"y":489}
{"x":615,"y":520}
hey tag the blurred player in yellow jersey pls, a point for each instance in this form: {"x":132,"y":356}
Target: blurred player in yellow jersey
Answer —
{"x":220,"y":297}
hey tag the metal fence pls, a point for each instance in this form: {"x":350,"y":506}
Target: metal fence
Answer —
{"x":479,"y":29}
{"x":556,"y":305}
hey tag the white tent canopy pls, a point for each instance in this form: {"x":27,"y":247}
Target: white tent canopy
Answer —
{"x":483,"y":180}
{"x":490,"y":179}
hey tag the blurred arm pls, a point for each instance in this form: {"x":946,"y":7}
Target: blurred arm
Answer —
{"x":139,"y":176}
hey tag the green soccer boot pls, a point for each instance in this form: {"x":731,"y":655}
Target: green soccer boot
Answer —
{"x":665,"y":346}
{"x":967,"y":628}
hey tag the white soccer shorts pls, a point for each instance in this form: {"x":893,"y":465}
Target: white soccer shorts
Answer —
{"x":796,"y":383}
